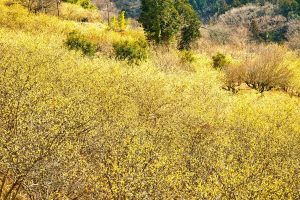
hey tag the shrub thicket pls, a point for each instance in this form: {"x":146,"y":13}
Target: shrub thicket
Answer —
{"x":87,"y":4}
{"x":78,"y":42}
{"x":132,"y":51}
{"x":112,"y":131}
{"x":219,"y":61}
{"x":187,"y":56}
{"x":72,"y":127}
{"x":264,"y":72}
{"x":77,"y":13}
{"x":234,"y":77}
{"x":267,"y":71}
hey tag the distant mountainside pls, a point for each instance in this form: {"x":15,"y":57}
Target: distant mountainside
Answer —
{"x":263,"y":22}
{"x":132,"y":7}
{"x":209,"y":8}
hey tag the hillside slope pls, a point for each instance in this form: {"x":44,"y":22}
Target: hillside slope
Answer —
{"x":263,"y":22}
{"x":210,"y":8}
{"x":96,"y":126}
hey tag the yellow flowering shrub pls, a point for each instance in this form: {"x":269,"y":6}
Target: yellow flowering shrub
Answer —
{"x":77,"y":127}
{"x":77,"y":13}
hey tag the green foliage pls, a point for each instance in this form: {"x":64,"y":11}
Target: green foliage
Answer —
{"x":236,"y":3}
{"x":118,"y":23}
{"x":122,"y":21}
{"x":255,"y":30}
{"x":287,"y":6}
{"x":87,"y":4}
{"x":114,"y":23}
{"x":278,"y":35}
{"x":78,"y":42}
{"x":223,"y":6}
{"x":187,"y":56}
{"x":219,"y":61}
{"x":132,"y":51}
{"x":190,"y":24}
{"x":160,"y":20}
{"x":275,"y":36}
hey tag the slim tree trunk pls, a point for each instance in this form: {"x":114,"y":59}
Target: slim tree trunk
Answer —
{"x":57,"y":7}
{"x":107,"y":9}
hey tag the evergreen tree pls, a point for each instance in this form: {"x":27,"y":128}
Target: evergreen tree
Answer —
{"x":114,"y":23}
{"x":190,"y":24}
{"x":287,"y":6}
{"x":236,"y":3}
{"x":122,"y":21}
{"x":223,"y":7}
{"x":160,"y":20}
{"x":164,"y":19}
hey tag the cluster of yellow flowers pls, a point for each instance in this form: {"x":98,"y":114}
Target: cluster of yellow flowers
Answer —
{"x":74,"y":127}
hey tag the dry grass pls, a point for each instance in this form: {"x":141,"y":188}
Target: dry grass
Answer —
{"x":171,"y":60}
{"x":77,"y":13}
{"x":263,"y":72}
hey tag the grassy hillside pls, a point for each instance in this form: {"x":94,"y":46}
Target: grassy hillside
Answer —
{"x":75,"y":126}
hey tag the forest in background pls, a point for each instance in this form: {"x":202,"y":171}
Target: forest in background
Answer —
{"x":209,"y":8}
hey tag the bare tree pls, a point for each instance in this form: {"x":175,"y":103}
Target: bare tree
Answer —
{"x":107,"y":7}
{"x":45,"y":6}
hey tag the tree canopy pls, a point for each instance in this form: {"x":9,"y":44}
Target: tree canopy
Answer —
{"x":164,"y":20}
